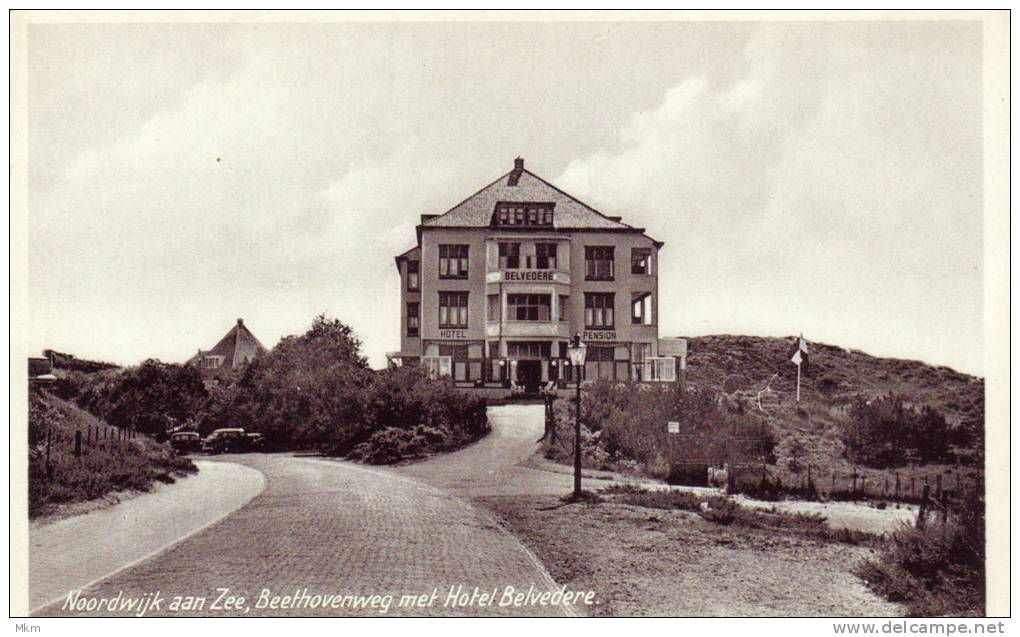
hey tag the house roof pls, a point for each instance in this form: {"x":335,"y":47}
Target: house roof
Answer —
{"x":237,"y":347}
{"x":521,"y":186}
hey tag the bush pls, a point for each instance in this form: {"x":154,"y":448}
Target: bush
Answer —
{"x":886,"y":432}
{"x":101,"y":469}
{"x":313,"y":390}
{"x":625,"y":423}
{"x":938,"y":570}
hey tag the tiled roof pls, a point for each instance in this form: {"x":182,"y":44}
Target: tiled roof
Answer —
{"x":236,"y":348}
{"x":476,"y":211}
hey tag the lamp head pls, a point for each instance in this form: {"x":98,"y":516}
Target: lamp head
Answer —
{"x":577,"y":351}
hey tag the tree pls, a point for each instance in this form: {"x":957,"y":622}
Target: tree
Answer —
{"x":307,"y":389}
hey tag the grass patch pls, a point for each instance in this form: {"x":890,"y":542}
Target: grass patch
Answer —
{"x":101,"y":468}
{"x":722,"y":510}
{"x":937,"y":570}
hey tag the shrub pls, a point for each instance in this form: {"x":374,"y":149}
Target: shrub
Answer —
{"x":136,"y":464}
{"x":886,"y":432}
{"x":625,"y":423}
{"x":937,"y":570}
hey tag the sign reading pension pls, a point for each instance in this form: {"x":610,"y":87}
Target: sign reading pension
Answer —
{"x":599,"y":335}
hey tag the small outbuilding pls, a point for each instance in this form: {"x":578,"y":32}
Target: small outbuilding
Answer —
{"x":232,"y":351}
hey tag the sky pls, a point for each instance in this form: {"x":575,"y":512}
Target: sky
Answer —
{"x":815,"y":178}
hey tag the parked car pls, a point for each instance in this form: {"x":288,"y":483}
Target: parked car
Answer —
{"x":185,"y":441}
{"x":256,"y":442}
{"x":226,"y":441}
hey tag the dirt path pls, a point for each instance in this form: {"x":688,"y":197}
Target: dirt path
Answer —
{"x":646,"y":562}
{"x":505,"y":463}
{"x":76,"y":551}
{"x":650,"y":562}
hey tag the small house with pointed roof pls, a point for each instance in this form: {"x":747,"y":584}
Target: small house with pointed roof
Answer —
{"x":232,"y":351}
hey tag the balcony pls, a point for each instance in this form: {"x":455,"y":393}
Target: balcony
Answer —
{"x":527,"y":276}
{"x":530,"y":329}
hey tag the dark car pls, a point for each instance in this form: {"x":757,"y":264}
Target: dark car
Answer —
{"x":185,"y":441}
{"x":226,"y":441}
{"x":256,"y":442}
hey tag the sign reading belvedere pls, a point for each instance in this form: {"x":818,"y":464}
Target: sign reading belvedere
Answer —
{"x":528,"y":275}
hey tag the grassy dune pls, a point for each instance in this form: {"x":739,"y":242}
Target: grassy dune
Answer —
{"x":741,"y":366}
{"x":104,"y":466}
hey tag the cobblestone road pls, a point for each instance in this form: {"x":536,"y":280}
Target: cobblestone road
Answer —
{"x":334,"y":528}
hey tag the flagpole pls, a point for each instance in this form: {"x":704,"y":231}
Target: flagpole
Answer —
{"x":798,"y":382}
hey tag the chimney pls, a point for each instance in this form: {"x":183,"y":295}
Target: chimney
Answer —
{"x":240,"y":321}
{"x":515,"y":176}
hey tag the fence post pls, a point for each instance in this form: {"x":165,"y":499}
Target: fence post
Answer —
{"x":897,"y":485}
{"x":77,"y":443}
{"x":945,"y":507}
{"x":938,"y":486}
{"x":833,"y":481}
{"x":49,"y":469}
{"x":921,"y":512}
{"x":911,"y":486}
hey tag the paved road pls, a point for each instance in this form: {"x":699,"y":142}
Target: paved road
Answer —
{"x":76,"y":551}
{"x":328,"y":528}
{"x":500,"y":463}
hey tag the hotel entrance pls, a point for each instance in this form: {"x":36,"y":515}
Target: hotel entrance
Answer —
{"x":529,"y":375}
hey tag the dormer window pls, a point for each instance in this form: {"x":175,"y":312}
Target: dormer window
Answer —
{"x":524,"y":214}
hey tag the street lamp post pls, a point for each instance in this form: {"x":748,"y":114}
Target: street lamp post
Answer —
{"x":576,"y":351}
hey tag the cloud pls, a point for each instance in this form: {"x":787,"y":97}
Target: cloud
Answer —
{"x":817,"y":193}
{"x":824,"y":178}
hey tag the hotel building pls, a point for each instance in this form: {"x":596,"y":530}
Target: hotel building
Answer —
{"x":497,"y":286}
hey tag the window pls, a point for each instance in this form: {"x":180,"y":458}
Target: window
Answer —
{"x":639,"y":352}
{"x":640,"y":261}
{"x":528,"y":350}
{"x":458,"y":354}
{"x":598,"y":310}
{"x":524,"y":214}
{"x":212,"y":362}
{"x":660,"y":369}
{"x":412,"y":276}
{"x":453,"y":309}
{"x":564,"y":308}
{"x":492,"y":312}
{"x":598,"y":263}
{"x":529,"y":307}
{"x":641,"y":308}
{"x":598,"y":362}
{"x":437,"y":366}
{"x":509,"y":256}
{"x":412,"y":319}
{"x":545,"y":256}
{"x":453,"y":261}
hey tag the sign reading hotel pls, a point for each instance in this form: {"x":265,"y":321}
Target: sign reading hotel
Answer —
{"x":453,"y":334}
